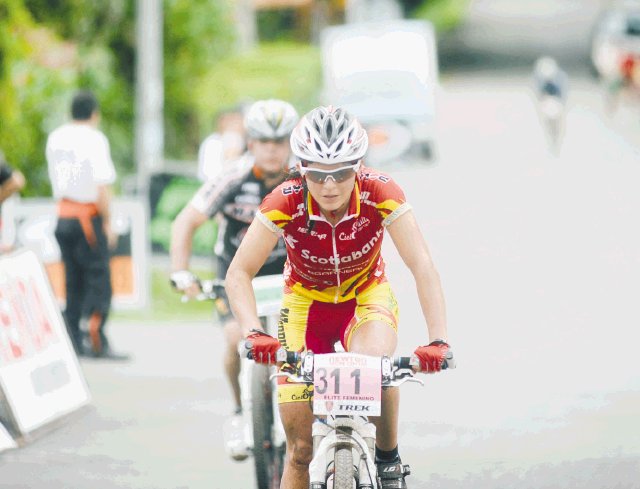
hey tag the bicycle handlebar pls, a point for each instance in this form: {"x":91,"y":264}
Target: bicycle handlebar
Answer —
{"x":395,"y":370}
{"x":210,"y":290}
{"x":404,"y":363}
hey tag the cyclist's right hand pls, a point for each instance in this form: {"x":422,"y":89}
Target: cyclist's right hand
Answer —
{"x":185,"y":282}
{"x":262,"y":347}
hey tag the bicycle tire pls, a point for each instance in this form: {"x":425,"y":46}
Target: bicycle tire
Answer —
{"x":268,"y":459}
{"x":343,"y":476}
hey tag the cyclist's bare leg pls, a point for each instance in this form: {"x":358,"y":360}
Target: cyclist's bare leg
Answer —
{"x":233,"y":335}
{"x":378,"y":338}
{"x":297,"y":419}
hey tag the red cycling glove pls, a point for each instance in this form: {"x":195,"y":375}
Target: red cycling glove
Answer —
{"x":263,"y":347}
{"x":432,"y":356}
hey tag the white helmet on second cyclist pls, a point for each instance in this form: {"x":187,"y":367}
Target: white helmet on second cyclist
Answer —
{"x":270,"y":119}
{"x":329,"y":135}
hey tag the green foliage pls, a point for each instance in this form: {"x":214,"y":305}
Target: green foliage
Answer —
{"x":444,"y":14}
{"x":197,"y":35}
{"x":276,"y":24}
{"x":50,"y":49}
{"x":30,"y":86}
{"x":282,"y":70}
{"x":174,"y":197}
{"x":39,"y":71}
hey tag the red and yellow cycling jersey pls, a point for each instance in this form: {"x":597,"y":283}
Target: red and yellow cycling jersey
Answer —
{"x":333,"y":263}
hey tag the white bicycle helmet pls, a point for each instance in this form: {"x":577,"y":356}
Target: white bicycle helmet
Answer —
{"x":329,"y":135}
{"x":546,"y":67}
{"x":270,"y":119}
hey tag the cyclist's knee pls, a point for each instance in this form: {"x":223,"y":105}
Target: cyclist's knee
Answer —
{"x":373,"y":338}
{"x":300,"y":453}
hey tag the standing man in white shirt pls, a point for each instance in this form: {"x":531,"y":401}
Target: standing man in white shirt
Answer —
{"x":81,"y":173}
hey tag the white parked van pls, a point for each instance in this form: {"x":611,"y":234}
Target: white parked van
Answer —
{"x":385,"y":73}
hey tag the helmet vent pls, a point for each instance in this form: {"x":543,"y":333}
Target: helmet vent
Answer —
{"x":329,"y":131}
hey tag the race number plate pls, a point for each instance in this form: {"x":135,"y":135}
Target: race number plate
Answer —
{"x":346,"y":383}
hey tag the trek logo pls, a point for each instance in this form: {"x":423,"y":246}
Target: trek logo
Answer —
{"x":391,"y":468}
{"x":351,"y":407}
{"x":360,"y":223}
{"x":354,"y":255}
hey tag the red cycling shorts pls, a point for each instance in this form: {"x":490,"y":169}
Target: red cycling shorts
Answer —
{"x":317,"y":326}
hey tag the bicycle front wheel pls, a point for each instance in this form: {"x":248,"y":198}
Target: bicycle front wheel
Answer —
{"x":268,"y":458}
{"x":344,"y":474}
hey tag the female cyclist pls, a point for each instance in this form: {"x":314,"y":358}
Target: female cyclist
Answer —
{"x":332,"y":217}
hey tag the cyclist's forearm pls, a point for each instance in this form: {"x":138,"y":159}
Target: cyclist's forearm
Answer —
{"x":181,"y":245}
{"x":183,"y":229}
{"x":432,"y":302}
{"x":242,"y":299}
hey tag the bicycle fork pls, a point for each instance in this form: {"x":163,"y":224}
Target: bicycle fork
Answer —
{"x":356,"y":433}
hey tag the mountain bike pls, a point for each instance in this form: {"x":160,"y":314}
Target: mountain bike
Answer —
{"x":265,"y":438}
{"x":347,"y":389}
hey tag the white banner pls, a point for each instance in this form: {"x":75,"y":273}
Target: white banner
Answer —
{"x":39,"y":373}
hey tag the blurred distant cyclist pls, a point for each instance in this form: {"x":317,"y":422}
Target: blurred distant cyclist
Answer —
{"x":551,"y":86}
{"x":626,"y":76}
{"x":236,"y":196}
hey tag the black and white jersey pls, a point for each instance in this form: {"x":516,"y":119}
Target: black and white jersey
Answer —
{"x":237,"y":195}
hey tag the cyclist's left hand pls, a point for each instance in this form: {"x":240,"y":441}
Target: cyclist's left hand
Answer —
{"x":263,"y":347}
{"x":433,"y":356}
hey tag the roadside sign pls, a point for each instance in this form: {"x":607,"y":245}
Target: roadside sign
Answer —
{"x":40,"y":378}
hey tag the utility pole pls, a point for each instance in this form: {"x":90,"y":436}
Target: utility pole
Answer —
{"x":149,"y":124}
{"x":245,"y":15}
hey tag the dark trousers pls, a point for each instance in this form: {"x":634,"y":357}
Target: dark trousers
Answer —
{"x":88,"y":283}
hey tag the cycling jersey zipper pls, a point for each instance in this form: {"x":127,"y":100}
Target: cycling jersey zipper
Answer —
{"x":336,"y":260}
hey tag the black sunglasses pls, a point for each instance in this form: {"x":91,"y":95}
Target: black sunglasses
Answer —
{"x":274,"y":140}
